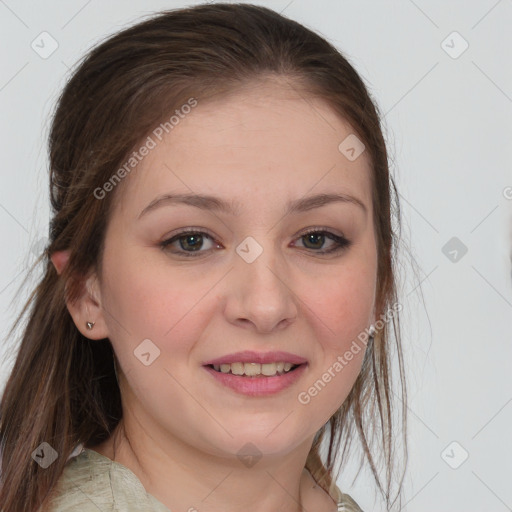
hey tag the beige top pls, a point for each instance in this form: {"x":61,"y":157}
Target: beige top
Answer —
{"x":91,"y":482}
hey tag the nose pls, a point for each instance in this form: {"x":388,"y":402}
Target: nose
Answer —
{"x":259,"y":295}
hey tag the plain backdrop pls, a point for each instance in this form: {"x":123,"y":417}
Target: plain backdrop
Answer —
{"x":441,"y":75}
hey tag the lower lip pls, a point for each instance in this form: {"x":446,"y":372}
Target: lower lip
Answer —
{"x":258,"y":386}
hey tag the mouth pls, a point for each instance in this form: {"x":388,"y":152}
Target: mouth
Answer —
{"x":255,"y":370}
{"x":261,"y":379}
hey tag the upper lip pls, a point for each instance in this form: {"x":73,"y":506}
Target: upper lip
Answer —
{"x":249,"y":356}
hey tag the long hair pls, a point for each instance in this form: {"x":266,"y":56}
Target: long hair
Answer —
{"x":62,"y":389}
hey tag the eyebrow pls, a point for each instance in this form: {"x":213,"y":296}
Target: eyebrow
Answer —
{"x":208,"y":202}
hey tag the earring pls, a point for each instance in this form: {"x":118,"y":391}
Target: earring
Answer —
{"x":89,"y":325}
{"x":371,"y":331}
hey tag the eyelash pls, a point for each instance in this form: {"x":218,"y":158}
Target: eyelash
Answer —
{"x":341,"y":242}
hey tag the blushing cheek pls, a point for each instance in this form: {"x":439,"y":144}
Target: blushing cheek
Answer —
{"x":344,"y":307}
{"x":155,"y":305}
{"x":132,"y":286}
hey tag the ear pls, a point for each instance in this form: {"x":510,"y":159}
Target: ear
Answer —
{"x":59,"y":260}
{"x":87,"y":308}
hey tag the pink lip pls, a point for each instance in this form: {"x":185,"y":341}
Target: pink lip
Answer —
{"x":248,"y":356}
{"x":257,"y":386}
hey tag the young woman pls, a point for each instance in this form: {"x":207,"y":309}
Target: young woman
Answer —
{"x":219,"y":287}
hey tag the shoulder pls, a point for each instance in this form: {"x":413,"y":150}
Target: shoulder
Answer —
{"x":347,"y":504}
{"x":333,"y":500}
{"x":344,"y":501}
{"x":83,"y":485}
{"x":91,"y":482}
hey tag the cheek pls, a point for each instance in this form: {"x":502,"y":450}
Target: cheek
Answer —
{"x":342,"y":304}
{"x":341,"y":323}
{"x":155,"y":302}
{"x":340,"y":310}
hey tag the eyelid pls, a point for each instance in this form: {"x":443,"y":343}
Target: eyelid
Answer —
{"x":200,"y":230}
{"x":191,"y":230}
{"x":341,"y":241}
{"x":316,"y":229}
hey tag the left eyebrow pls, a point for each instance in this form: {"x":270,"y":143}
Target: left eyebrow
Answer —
{"x":319,"y":200}
{"x":207,"y":202}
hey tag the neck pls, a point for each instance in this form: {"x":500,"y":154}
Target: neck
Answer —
{"x":184,"y":478}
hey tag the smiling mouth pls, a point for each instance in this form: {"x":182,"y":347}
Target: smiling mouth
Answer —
{"x":255,"y":370}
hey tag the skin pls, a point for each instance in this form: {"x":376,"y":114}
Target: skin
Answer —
{"x":181,"y":430}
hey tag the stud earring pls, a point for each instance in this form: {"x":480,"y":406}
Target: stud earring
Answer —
{"x":89,"y":325}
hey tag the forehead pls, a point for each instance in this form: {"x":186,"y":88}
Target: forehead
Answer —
{"x":265,"y":141}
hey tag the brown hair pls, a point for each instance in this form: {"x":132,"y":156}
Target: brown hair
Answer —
{"x":62,"y":388}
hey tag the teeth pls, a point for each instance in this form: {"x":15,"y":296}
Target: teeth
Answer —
{"x":224,"y":368}
{"x":254,"y":369}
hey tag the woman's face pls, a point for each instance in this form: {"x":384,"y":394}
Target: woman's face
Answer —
{"x":249,"y":281}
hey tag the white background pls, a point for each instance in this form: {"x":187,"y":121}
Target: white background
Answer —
{"x":448,"y":126}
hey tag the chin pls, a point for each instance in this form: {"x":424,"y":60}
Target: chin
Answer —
{"x":272,"y":439}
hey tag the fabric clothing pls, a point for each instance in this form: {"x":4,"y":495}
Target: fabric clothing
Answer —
{"x":91,"y":482}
